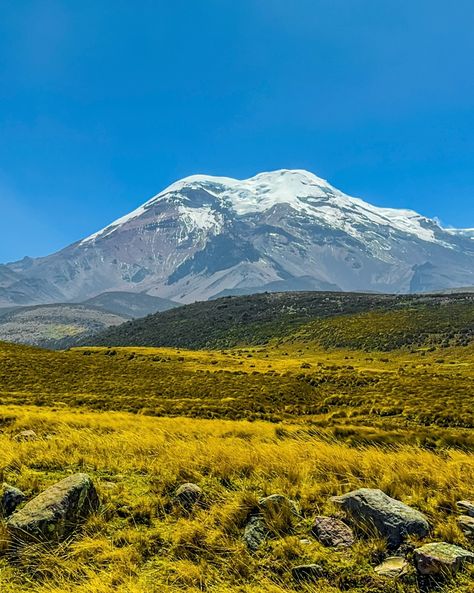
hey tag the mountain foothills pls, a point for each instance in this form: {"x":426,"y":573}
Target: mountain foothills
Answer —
{"x":61,"y":325}
{"x":325,"y":319}
{"x":204,"y":237}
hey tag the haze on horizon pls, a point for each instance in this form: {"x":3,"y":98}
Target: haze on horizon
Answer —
{"x":104,"y":105}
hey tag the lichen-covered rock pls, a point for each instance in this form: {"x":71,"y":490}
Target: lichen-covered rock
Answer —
{"x":255,"y":533}
{"x":393,"y":519}
{"x":280,"y":512}
{"x":55,"y":513}
{"x":466,"y":525}
{"x":332,"y":532}
{"x":441,"y":558}
{"x":278,"y":503}
{"x":187,"y":496}
{"x":307,"y":573}
{"x":466,"y":507}
{"x":393,"y":567}
{"x":25,"y":435}
{"x":10,"y":498}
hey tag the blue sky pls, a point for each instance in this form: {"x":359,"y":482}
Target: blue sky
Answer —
{"x":104,"y":103}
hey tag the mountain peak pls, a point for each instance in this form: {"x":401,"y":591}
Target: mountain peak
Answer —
{"x":287,"y":229}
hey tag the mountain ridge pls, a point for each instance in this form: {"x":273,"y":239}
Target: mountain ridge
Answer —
{"x":204,"y":236}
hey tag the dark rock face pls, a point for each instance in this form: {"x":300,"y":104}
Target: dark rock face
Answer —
{"x":10,"y":498}
{"x":393,"y":519}
{"x":187,"y":496}
{"x":307,"y":573}
{"x":55,"y":513}
{"x":440,"y":558}
{"x":255,"y":533}
{"x":332,"y":532}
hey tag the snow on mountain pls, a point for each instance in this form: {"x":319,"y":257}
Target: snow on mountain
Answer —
{"x":204,"y":236}
{"x":298,"y":189}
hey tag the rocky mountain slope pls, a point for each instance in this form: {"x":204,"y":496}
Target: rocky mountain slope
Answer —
{"x":204,"y":237}
{"x":129,"y":304}
{"x":54,"y":326}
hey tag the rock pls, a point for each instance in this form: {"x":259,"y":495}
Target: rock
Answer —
{"x":25,"y":435}
{"x":255,"y":533}
{"x":55,"y":513}
{"x":10,"y":498}
{"x":187,"y":496}
{"x":393,"y":519}
{"x":332,"y":532}
{"x":307,"y":573}
{"x":466,"y":507}
{"x":393,"y":567}
{"x":466,"y":525}
{"x":278,"y":503}
{"x":279,"y":511}
{"x":441,"y":558}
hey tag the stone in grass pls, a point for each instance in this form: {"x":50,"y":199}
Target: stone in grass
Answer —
{"x":332,"y":532}
{"x":10,"y":498}
{"x":25,"y":435}
{"x":466,"y":507}
{"x":307,"y":573}
{"x":187,"y":496}
{"x":55,"y":513}
{"x":279,"y":511}
{"x":255,"y":533}
{"x":466,"y":525}
{"x":393,"y":519}
{"x":441,"y":558}
{"x":393,"y":567}
{"x":277,"y":504}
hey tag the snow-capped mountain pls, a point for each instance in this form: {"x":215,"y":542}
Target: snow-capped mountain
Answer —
{"x":286,"y":230}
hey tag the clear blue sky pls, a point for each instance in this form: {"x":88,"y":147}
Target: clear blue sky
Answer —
{"x":103,"y":103}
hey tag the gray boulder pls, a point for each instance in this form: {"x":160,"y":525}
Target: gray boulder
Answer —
{"x":280,"y":513}
{"x":55,"y":513}
{"x":440,"y":558}
{"x":466,"y":525}
{"x":466,"y":507}
{"x":393,"y":519}
{"x":278,"y":503}
{"x":25,"y":435}
{"x":332,"y":532}
{"x":255,"y":533}
{"x":307,"y":573}
{"x":10,"y":498}
{"x":187,"y":496}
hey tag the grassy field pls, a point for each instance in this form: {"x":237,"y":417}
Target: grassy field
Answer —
{"x":422,"y":396}
{"x":318,"y":412}
{"x":138,"y":544}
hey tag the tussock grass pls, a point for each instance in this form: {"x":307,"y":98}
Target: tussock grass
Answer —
{"x":138,"y":542}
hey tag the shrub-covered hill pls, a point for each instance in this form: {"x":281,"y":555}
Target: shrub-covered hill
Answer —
{"x":391,"y":321}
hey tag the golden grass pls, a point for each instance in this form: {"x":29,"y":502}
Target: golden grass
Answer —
{"x":137,"y":543}
{"x":424,"y":397}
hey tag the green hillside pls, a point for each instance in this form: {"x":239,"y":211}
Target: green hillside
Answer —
{"x":348,"y":319}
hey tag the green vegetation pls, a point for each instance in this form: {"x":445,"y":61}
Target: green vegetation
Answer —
{"x":261,"y":318}
{"x":424,"y":396}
